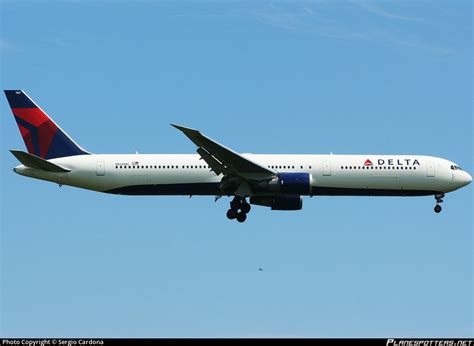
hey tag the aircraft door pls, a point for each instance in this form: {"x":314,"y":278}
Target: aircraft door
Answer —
{"x":100,"y":168}
{"x":326,"y":168}
{"x":430,"y":169}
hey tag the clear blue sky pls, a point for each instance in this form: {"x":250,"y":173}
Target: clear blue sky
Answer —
{"x":263,"y":77}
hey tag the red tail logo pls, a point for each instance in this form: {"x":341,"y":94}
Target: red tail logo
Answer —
{"x":368,"y":163}
{"x":42,"y":136}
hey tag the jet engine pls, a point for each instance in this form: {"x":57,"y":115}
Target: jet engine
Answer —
{"x":291,"y":202}
{"x":288,"y":183}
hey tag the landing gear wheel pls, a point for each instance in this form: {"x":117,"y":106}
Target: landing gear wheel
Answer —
{"x":236,"y":203}
{"x":241,"y":217}
{"x":231,"y":214}
{"x":245,"y":208}
{"x":439,"y":199}
{"x":239,"y":209}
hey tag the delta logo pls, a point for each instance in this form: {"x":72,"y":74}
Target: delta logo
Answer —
{"x":393,"y":162}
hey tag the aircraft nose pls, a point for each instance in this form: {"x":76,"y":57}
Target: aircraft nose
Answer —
{"x":464,"y":179}
{"x":467,"y":178}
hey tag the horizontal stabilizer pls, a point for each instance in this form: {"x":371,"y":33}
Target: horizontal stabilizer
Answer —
{"x":33,"y":161}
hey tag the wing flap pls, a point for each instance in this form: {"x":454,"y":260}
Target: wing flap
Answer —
{"x":216,"y":166}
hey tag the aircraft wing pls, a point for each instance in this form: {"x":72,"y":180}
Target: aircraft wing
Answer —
{"x":224,"y":160}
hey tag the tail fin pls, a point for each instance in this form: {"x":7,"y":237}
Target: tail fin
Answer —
{"x":41,"y":135}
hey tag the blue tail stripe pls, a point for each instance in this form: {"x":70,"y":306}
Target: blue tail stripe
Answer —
{"x":62,"y":146}
{"x":34,"y":134}
{"x":17,"y":99}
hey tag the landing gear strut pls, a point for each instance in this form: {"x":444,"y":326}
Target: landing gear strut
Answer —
{"x":239,"y":208}
{"x":439,"y":199}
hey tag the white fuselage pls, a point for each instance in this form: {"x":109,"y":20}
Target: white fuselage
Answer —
{"x":188,"y":174}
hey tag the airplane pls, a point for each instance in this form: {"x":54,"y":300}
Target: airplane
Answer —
{"x":278,"y":182}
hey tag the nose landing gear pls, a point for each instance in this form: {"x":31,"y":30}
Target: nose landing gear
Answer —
{"x":239,"y":208}
{"x":439,"y":199}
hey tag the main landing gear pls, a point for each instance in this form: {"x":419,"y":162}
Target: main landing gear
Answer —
{"x":439,"y":199}
{"x":239,"y":209}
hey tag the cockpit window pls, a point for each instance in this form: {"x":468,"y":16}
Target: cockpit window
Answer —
{"x":455,"y":168}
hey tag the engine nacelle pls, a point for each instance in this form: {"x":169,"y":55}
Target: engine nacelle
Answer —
{"x":279,"y":202}
{"x":289,"y":183}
